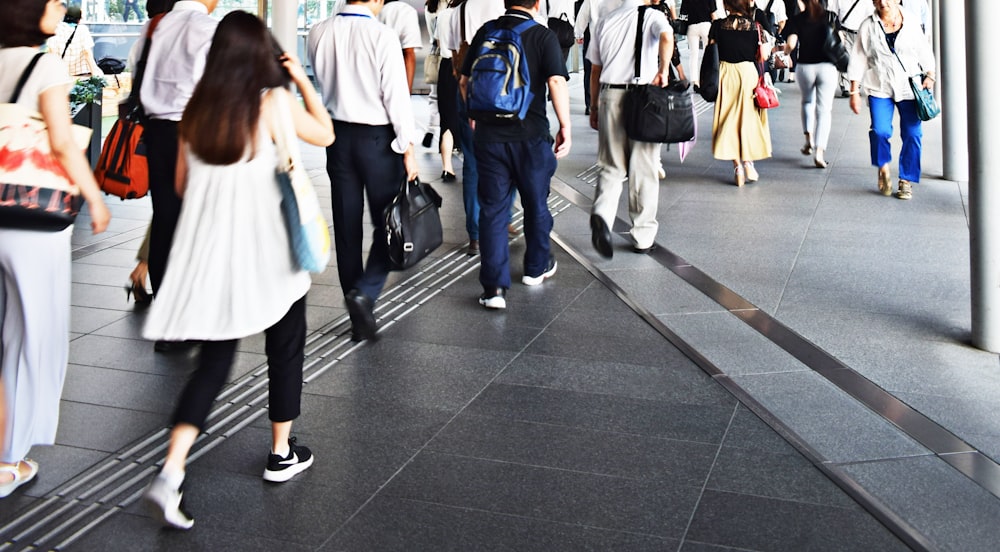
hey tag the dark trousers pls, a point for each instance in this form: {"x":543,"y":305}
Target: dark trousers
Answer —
{"x":361,"y":162}
{"x":160,"y":138}
{"x":586,"y":69}
{"x":284,"y":344}
{"x":527,"y":167}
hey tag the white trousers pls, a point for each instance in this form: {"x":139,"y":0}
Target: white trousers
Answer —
{"x":618,"y":157}
{"x":818,"y":83}
{"x":34,"y":335}
{"x":697,"y":39}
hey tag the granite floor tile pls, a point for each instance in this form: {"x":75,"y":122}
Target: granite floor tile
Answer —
{"x":103,"y":428}
{"x":367,"y":421}
{"x":121,"y":389}
{"x":133,"y":533}
{"x":680,"y":382}
{"x":576,"y":449}
{"x":952,"y":511}
{"x":392,"y":524}
{"x":417,"y":374}
{"x":651,"y":350}
{"x":692,"y":422}
{"x":58,"y":464}
{"x":647,"y":507}
{"x":749,"y":432}
{"x":492,"y":331}
{"x":759,"y":523}
{"x":774,"y":475}
{"x":88,"y":319}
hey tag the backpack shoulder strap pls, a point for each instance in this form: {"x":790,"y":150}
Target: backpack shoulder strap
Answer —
{"x":523,"y":26}
{"x":461,"y":15}
{"x":70,"y":40}
{"x":24,"y":77}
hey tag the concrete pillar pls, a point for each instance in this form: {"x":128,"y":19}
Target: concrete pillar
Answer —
{"x":950,"y":27}
{"x":284,"y":24}
{"x":982,"y":44}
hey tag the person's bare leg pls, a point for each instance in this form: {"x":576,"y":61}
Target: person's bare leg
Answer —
{"x":182,"y":438}
{"x":447,"y":146}
{"x":280,"y":432}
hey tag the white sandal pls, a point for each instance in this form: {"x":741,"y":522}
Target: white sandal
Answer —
{"x":7,"y":488}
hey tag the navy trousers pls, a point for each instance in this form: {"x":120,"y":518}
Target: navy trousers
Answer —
{"x":361,"y":162}
{"x":505,"y":167}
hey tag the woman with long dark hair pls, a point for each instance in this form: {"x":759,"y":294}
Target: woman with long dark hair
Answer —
{"x":818,"y":76}
{"x":740,"y":131}
{"x":35,"y":265}
{"x":231,"y":272}
{"x":890,"y":49}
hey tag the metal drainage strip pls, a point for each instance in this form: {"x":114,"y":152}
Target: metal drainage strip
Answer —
{"x":70,"y":511}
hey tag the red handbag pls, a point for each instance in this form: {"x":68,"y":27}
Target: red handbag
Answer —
{"x":764,"y":94}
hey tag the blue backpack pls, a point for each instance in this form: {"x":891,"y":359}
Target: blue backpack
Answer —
{"x":499,"y":81}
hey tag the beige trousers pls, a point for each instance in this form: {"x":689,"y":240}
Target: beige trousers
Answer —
{"x":619,"y":157}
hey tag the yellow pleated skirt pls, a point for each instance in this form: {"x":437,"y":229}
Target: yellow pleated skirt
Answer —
{"x":739,"y":130}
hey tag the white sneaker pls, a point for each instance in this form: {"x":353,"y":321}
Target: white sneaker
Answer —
{"x":164,"y":503}
{"x":550,"y":270}
{"x":494,"y":299}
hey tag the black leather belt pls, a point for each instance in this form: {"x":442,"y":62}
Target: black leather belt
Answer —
{"x":618,"y":86}
{"x":849,"y":31}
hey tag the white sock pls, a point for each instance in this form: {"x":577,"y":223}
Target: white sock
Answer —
{"x":173,"y":479}
{"x":282,"y":452}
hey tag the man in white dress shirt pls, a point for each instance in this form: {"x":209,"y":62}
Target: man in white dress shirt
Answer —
{"x":851,"y":13}
{"x":359,"y":67}
{"x":402,"y":18}
{"x":177,"y":57}
{"x":612,"y":53}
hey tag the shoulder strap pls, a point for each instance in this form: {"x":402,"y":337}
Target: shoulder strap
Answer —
{"x":848,"y":14}
{"x":140,"y":66}
{"x":768,"y":8}
{"x":70,"y":41}
{"x":461,"y":15}
{"x":638,"y":43}
{"x":24,"y":76}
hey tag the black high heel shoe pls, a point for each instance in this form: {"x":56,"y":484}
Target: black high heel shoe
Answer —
{"x":142,"y":297}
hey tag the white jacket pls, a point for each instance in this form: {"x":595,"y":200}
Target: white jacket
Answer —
{"x":876,"y":67}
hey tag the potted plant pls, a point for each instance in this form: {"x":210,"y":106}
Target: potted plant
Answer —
{"x":85,"y":107}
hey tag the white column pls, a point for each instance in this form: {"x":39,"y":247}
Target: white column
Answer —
{"x":283,"y":23}
{"x":982,"y":44}
{"x":950,"y":27}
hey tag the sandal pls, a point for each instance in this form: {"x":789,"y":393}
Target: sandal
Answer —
{"x":739,"y":177}
{"x":15,"y":470}
{"x":884,"y":180}
{"x":751,"y":171}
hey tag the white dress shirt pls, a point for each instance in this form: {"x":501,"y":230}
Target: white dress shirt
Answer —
{"x":477,"y":12}
{"x":612,"y":44}
{"x":443,"y":30}
{"x":861,"y":11}
{"x":176,"y":59}
{"x":358,"y":64}
{"x":402,"y":18}
{"x":591,"y":12}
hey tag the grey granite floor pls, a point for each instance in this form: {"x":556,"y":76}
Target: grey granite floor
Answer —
{"x":569,"y":421}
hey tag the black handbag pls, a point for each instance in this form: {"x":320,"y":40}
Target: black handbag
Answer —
{"x":833,"y":46}
{"x":655,"y":114}
{"x":412,"y":224}
{"x":708,"y":76}
{"x":563,"y":28}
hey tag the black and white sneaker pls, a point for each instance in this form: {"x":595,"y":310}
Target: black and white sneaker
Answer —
{"x":549,"y":271}
{"x":164,"y":503}
{"x":494,"y":298}
{"x":280,"y":469}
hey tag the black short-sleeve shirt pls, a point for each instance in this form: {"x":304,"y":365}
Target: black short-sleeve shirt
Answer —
{"x":737,"y":37}
{"x":812,"y":35}
{"x":544,"y":57}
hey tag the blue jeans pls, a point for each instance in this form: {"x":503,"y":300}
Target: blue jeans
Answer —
{"x":505,"y":167}
{"x":470,"y":172}
{"x":910,"y":131}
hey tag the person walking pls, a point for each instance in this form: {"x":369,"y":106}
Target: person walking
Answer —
{"x":519,"y":157}
{"x":890,"y":50}
{"x":818,"y":76}
{"x":177,"y":52}
{"x":359,"y":67}
{"x":232,"y":272}
{"x":34,"y":264}
{"x":700,"y":14}
{"x":75,"y":45}
{"x":740,"y":132}
{"x":850,"y":13}
{"x":612,"y":55}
